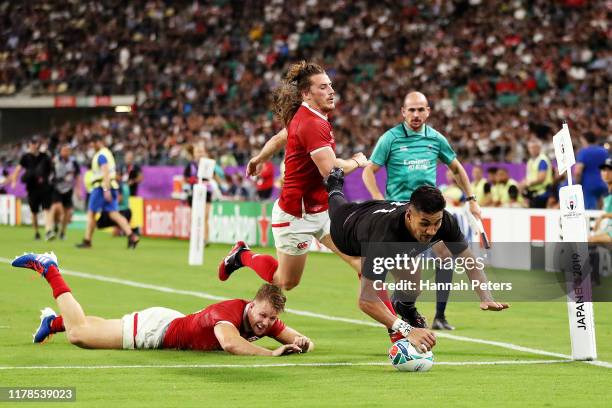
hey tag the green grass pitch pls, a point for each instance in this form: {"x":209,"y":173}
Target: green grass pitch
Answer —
{"x":329,"y":287}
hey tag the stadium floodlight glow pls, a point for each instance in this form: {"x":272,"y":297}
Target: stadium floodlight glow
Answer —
{"x":123,"y":109}
{"x":574,"y":229}
{"x":206,"y":168}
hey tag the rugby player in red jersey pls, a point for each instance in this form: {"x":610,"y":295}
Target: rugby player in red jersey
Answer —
{"x":302,"y":103}
{"x":230,"y":325}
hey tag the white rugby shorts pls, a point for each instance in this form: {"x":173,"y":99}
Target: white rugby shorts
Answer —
{"x":146,"y":329}
{"x":293,"y":235}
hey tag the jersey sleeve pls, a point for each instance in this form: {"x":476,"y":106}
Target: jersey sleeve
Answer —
{"x":380,"y":155}
{"x":23,"y":162}
{"x":542,"y":166}
{"x":315,"y":134}
{"x":77,"y":169}
{"x":580,"y":156}
{"x":447,"y":154}
{"x":277,"y":328}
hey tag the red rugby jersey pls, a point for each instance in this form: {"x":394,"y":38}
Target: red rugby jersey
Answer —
{"x":303,"y":189}
{"x":196,"y":331}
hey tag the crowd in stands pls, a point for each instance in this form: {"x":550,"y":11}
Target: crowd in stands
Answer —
{"x":496,"y":72}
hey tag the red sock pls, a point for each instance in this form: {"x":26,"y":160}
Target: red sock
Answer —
{"x":56,"y":280}
{"x":57,"y":325}
{"x":264,"y":265}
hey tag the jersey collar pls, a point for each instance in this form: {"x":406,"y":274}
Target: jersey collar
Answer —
{"x":316,"y":112}
{"x":409,"y":132}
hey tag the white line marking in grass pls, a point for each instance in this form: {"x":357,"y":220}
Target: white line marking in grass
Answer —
{"x":204,"y":295}
{"x":342,"y":364}
{"x":5,"y":327}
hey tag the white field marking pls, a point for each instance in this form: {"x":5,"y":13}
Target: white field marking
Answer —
{"x":364,"y":364}
{"x":204,"y":295}
{"x":5,"y":327}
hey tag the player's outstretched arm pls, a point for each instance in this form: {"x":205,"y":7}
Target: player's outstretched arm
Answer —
{"x":463,"y":181}
{"x":231,"y":341}
{"x":370,"y":304}
{"x":291,"y":336}
{"x":477,"y":274}
{"x":270,"y":148}
{"x":325,"y":159}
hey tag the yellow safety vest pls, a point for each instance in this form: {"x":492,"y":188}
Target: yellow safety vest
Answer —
{"x":532,"y":174}
{"x":88,"y":180}
{"x":97,"y":170}
{"x":479,"y":190}
{"x":502,"y":192}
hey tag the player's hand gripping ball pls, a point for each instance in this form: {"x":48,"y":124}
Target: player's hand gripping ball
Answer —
{"x":405,"y":357}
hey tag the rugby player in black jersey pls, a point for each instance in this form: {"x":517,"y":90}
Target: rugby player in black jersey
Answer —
{"x":422,"y":221}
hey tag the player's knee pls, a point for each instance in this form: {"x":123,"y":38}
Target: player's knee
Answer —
{"x":288,"y":284}
{"x":76,"y":336}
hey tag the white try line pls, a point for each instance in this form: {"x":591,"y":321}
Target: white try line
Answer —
{"x":209,"y":296}
{"x":273,"y":365}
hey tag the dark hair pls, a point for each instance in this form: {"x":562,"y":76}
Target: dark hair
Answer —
{"x":96,"y":137}
{"x":513,"y":192}
{"x":272,"y":294}
{"x":492,"y":170}
{"x":288,"y":97}
{"x":427,"y":199}
{"x":590,"y":137}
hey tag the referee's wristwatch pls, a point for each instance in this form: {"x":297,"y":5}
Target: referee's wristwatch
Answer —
{"x":470,"y":198}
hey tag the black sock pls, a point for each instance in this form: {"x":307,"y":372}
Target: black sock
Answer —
{"x":442,"y":276}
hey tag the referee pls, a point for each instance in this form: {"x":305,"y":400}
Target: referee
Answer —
{"x":423,"y":220}
{"x":410,"y":152}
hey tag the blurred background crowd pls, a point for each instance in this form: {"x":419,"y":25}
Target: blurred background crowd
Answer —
{"x":496,"y":73}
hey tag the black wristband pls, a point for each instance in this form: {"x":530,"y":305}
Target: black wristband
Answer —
{"x":470,"y":198}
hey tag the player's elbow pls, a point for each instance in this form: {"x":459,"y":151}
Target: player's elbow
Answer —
{"x":230,"y":347}
{"x":288,"y":283}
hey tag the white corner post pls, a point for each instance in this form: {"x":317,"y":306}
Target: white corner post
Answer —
{"x":206,"y":168}
{"x":574,"y":230}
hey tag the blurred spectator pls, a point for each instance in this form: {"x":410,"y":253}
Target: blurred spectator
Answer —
{"x":4,"y":180}
{"x":499,"y":71}
{"x":513,"y":198}
{"x":38,"y":170}
{"x":481,"y":187}
{"x":238,"y":190}
{"x":264,"y":183}
{"x":65,"y":178}
{"x":501,"y":190}
{"x":587,"y":173}
{"x":451,"y":191}
{"x":603,"y":225}
{"x":539,"y":176}
{"x":131,"y":173}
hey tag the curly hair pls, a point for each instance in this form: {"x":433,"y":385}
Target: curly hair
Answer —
{"x":272,"y":294}
{"x":288,"y":97}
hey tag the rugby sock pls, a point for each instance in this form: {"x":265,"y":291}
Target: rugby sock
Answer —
{"x":384,"y":297}
{"x":57,"y":325}
{"x":56,"y":280}
{"x":264,"y":265}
